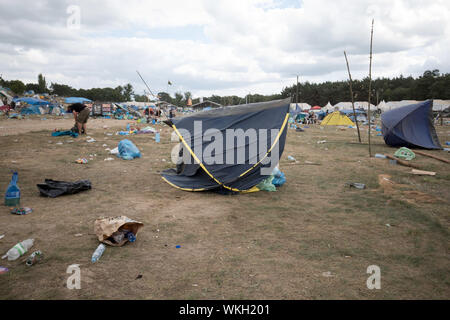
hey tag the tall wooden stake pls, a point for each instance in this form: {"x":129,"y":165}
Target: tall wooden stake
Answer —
{"x":296,"y":106}
{"x":370,"y":85}
{"x":351,"y":94}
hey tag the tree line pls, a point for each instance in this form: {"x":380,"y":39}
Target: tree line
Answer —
{"x":430,"y":85}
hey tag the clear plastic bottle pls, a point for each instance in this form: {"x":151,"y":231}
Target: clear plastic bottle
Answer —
{"x":19,"y":249}
{"x":98,"y":253}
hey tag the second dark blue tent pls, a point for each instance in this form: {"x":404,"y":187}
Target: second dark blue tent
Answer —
{"x":410,"y":126}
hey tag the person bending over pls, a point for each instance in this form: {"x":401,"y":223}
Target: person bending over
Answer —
{"x":81,"y":116}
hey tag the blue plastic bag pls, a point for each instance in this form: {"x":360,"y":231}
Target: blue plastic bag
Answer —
{"x":127,"y":150}
{"x":278,"y":177}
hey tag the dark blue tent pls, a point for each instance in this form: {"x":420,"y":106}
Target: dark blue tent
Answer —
{"x":229,"y":173}
{"x":410,"y":126}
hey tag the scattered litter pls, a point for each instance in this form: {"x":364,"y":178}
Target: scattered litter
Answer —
{"x":139,"y":276}
{"x":327,"y":274}
{"x":78,"y":235}
{"x":322,"y":141}
{"x":64,"y":133}
{"x":109,"y":134}
{"x":114,"y":151}
{"x":128,"y":150}
{"x":59,"y":143}
{"x":52,"y":188}
{"x":422,"y":172}
{"x":81,"y":161}
{"x":98,"y":252}
{"x":91,"y":140}
{"x":177,"y":246}
{"x":157,"y":137}
{"x":405,"y":153}
{"x":291,"y":158}
{"x":357,"y":185}
{"x":3,"y":270}
{"x":393,"y":162}
{"x":388,"y":225}
{"x":163,"y":160}
{"x":116,"y":231}
{"x":104,"y":145}
{"x":447,"y":149}
{"x":12,"y":196}
{"x":2,"y":236}
{"x":447,"y":143}
{"x":18,"y":250}
{"x":380,"y":156}
{"x":34,"y":258}
{"x":21,"y":211}
{"x":108,"y":159}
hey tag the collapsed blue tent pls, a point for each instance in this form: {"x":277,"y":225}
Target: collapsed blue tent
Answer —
{"x":32,"y":101}
{"x":410,"y":126}
{"x":76,"y":100}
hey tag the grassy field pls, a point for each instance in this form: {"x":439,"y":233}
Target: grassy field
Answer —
{"x":312,"y":239}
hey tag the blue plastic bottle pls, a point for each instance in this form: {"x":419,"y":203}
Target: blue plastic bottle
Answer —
{"x":157,"y":137}
{"x":12,"y":196}
{"x":131,"y":237}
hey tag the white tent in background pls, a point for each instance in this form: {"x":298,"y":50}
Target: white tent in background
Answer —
{"x":301,"y":105}
{"x":382,"y":106}
{"x":358,"y":105}
{"x":440,"y":105}
{"x":328,"y":107}
{"x":390,"y":105}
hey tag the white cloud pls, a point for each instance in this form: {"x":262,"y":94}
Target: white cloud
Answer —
{"x":223,"y":46}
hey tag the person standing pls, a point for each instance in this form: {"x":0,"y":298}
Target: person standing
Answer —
{"x":81,"y":115}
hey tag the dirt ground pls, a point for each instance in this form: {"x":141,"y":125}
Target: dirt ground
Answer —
{"x":314,"y":238}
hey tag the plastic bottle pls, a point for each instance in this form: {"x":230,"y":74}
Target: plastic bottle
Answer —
{"x":379,"y":155}
{"x":157,"y":137}
{"x":291,"y":158}
{"x":34,"y":258}
{"x":131,"y":237}
{"x":12,"y":195}
{"x":98,"y":253}
{"x":128,"y":127}
{"x":19,"y":249}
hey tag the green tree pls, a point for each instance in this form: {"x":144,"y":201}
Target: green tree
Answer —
{"x":42,"y":85}
{"x":127,"y":92}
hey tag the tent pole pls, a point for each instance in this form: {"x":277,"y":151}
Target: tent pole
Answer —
{"x":351,"y":94}
{"x":370,"y":85}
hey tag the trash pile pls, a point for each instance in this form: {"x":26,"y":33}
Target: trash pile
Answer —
{"x":115,"y":232}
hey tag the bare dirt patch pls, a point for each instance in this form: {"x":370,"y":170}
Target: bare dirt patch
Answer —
{"x":265,"y":245}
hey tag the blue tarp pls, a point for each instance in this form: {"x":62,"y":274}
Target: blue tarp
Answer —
{"x":410,"y":126}
{"x":76,"y":100}
{"x":32,"y":101}
{"x":31,"y":110}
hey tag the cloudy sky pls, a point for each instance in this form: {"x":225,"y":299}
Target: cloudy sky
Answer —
{"x":219,"y":46}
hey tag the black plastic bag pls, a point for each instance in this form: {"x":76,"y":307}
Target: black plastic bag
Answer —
{"x":52,"y":188}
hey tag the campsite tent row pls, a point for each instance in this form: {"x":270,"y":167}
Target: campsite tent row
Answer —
{"x":438,"y":105}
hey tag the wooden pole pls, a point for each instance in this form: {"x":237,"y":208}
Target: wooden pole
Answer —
{"x":402,"y":162}
{"x":431,"y":156}
{"x":351,"y":94}
{"x":370,"y":84}
{"x":297,"y":92}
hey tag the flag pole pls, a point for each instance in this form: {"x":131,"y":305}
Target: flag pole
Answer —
{"x":370,"y":85}
{"x":351,"y":94}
